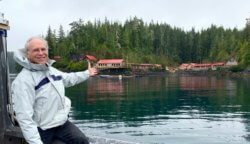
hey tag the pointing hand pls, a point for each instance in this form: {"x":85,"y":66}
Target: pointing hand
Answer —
{"x":92,"y":70}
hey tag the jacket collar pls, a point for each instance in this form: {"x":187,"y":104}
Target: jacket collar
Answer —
{"x":20,"y":57}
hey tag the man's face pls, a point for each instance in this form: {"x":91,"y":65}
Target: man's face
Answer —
{"x":37,"y":51}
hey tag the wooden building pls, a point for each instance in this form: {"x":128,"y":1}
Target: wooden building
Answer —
{"x":201,"y":66}
{"x":110,"y":63}
{"x":144,"y":66}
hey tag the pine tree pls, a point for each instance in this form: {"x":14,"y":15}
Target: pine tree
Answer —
{"x":51,"y":39}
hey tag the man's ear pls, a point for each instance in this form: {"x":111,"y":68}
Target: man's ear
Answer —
{"x":27,"y":55}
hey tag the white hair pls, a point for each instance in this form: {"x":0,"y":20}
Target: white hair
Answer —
{"x":35,"y":37}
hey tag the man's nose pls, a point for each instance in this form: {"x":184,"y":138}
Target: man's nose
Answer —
{"x":40,"y":52}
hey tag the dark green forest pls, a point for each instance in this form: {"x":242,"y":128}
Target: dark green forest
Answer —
{"x":138,"y":42}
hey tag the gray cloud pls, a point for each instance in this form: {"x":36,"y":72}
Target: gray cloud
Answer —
{"x":32,"y":17}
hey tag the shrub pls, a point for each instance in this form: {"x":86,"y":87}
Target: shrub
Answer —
{"x":238,"y":68}
{"x":76,"y":66}
{"x":62,"y":65}
{"x":155,"y":69}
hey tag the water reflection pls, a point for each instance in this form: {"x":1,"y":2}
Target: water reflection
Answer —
{"x":201,"y":83}
{"x":173,"y":109}
{"x":103,"y":87}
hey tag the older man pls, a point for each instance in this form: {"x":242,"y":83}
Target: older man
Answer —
{"x":39,"y":96}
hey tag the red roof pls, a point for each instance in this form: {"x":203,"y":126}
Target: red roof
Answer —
{"x":200,"y":65}
{"x":184,"y":65}
{"x":108,"y":61}
{"x":90,"y":57}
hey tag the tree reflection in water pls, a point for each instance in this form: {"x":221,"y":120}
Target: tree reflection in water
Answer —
{"x":155,"y":109}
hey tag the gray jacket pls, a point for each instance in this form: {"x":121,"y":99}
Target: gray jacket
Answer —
{"x":39,"y":96}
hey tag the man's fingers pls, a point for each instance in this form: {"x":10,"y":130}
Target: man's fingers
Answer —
{"x":93,"y":71}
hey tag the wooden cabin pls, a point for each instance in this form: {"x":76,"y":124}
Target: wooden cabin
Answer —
{"x":231,"y":62}
{"x":110,"y":63}
{"x":201,"y":66}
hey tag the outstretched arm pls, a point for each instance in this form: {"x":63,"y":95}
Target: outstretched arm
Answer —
{"x":70,"y":79}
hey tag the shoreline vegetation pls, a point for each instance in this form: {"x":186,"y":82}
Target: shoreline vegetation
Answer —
{"x":223,"y":72}
{"x":235,"y":71}
{"x":245,"y":74}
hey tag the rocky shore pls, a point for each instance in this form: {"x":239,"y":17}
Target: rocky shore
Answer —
{"x":217,"y":73}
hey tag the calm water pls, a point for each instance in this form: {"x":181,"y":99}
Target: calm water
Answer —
{"x":172,"y":109}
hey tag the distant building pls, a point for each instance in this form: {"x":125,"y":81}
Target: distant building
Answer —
{"x":184,"y":66}
{"x":57,"y":58}
{"x":171,"y":69}
{"x":144,"y":66}
{"x":198,"y":67}
{"x":231,"y":62}
{"x":201,"y":66}
{"x":110,"y":63}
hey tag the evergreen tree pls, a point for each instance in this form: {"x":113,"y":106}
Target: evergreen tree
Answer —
{"x":139,"y":42}
{"x":51,"y":39}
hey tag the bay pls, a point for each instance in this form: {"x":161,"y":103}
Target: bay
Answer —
{"x":176,"y":109}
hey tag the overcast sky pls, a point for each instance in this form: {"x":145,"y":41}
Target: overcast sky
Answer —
{"x":32,"y":17}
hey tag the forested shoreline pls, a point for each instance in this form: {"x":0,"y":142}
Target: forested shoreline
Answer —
{"x":138,"y":42}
